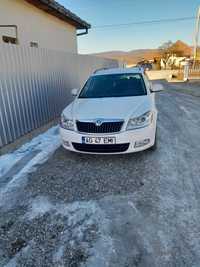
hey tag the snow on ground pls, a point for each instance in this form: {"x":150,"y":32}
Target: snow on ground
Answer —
{"x":13,"y":261}
{"x":41,"y":142}
{"x":85,"y":223}
{"x":41,"y":147}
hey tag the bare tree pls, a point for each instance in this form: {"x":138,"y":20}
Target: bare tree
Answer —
{"x":166,"y":45}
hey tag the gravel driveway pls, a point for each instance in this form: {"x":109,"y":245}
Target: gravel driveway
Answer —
{"x":125,"y":211}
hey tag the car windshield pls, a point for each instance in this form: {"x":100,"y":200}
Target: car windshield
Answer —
{"x":114,"y":85}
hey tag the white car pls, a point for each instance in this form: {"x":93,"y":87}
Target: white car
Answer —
{"x":114,"y":113}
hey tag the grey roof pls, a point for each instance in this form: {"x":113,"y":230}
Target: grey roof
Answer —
{"x":54,"y":8}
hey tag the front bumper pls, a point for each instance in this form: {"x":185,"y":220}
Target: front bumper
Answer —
{"x":125,"y":141}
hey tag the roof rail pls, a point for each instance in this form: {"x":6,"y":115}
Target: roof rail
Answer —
{"x":100,"y":70}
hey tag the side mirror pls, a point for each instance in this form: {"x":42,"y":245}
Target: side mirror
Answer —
{"x":156,"y":88}
{"x":75,"y":91}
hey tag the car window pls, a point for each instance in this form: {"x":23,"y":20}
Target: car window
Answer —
{"x":114,"y":85}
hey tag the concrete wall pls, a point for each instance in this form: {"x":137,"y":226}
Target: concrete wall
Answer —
{"x":161,"y":74}
{"x":35,"y":25}
{"x":35,"y":86}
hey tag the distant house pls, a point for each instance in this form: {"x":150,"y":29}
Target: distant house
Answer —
{"x":40,"y":23}
{"x":176,"y":55}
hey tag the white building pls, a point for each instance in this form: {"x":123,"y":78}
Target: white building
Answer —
{"x":40,"y":23}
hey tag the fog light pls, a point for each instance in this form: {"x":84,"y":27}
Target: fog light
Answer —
{"x":66,"y":143}
{"x":142,"y":143}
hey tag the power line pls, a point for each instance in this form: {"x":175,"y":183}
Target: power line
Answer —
{"x":145,"y":22}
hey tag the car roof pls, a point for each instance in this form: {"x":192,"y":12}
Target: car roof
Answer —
{"x":106,"y":71}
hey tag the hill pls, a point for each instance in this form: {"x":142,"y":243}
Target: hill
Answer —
{"x":134,"y":56}
{"x":181,"y":49}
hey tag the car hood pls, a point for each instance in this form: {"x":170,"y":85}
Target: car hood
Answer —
{"x":108,"y":108}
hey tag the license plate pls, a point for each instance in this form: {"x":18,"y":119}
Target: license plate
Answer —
{"x":98,"y":140}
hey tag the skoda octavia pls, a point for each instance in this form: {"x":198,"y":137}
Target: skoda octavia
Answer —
{"x":114,"y":112}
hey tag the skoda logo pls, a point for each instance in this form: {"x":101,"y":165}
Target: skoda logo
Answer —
{"x":98,"y":122}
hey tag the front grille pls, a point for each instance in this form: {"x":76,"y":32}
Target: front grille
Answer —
{"x":101,"y":148}
{"x":105,"y":127}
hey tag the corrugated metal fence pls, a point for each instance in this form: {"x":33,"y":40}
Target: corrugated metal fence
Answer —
{"x":35,"y":86}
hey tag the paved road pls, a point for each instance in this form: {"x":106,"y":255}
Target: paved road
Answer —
{"x":124,"y":211}
{"x":191,"y":87}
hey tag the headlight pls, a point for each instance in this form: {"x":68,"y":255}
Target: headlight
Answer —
{"x":66,"y":123}
{"x":141,"y":121}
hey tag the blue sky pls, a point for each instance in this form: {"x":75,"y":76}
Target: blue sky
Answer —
{"x":101,"y":12}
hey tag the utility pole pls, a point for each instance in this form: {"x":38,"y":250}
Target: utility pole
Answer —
{"x":196,"y":36}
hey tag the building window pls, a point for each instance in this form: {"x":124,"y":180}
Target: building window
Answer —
{"x":34,"y":44}
{"x":9,"y":40}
